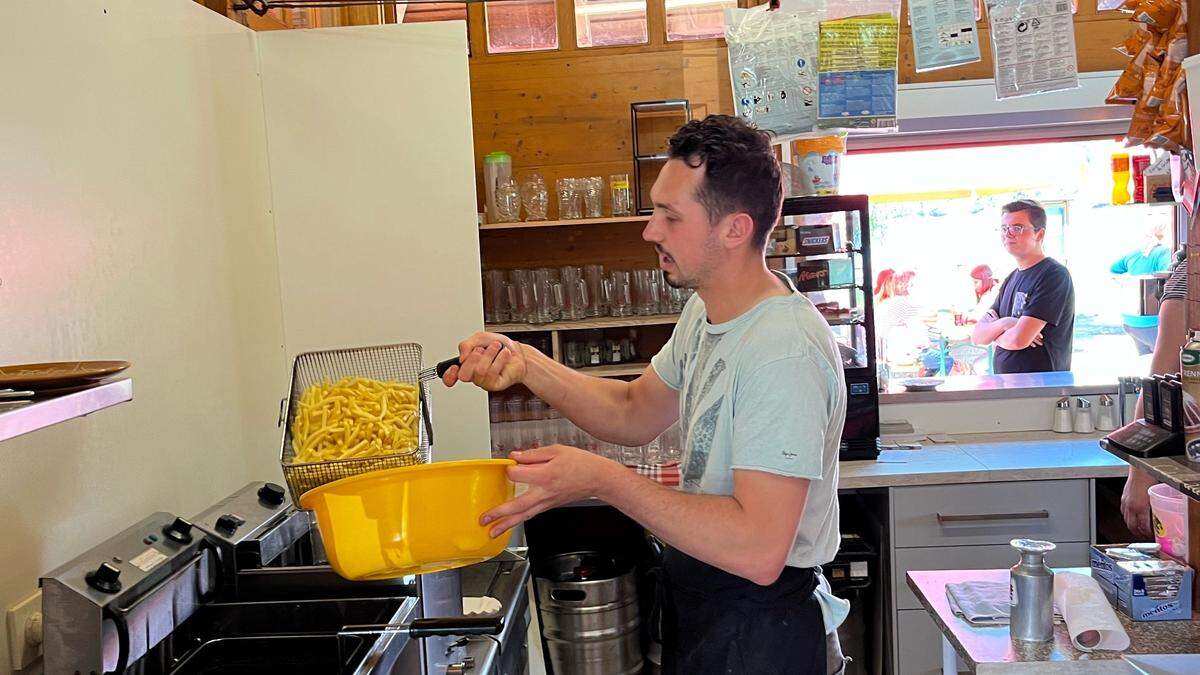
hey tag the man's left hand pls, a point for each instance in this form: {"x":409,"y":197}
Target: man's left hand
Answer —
{"x":556,"y":475}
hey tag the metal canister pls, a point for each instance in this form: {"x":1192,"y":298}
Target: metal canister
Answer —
{"x":1189,"y":370}
{"x":1031,"y":593}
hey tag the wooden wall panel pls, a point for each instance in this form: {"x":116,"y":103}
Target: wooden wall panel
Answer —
{"x":615,"y":246}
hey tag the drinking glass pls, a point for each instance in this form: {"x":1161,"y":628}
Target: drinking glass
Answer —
{"x":593,"y":196}
{"x":621,"y":199}
{"x":495,"y":297}
{"x":508,"y":200}
{"x":620,"y":293}
{"x":569,"y":197}
{"x":534,"y":197}
{"x":597,"y":303}
{"x":645,"y":291}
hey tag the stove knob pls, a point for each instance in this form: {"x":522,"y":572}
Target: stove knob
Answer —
{"x":271,"y":494}
{"x":179,"y":531}
{"x":229,"y":523}
{"x":105,"y":578}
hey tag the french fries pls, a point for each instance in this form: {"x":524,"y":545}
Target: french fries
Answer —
{"x":353,"y":418}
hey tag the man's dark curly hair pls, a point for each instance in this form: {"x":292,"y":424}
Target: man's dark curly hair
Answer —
{"x":740,"y":170}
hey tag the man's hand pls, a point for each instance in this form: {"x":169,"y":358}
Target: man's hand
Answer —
{"x":1135,"y":503}
{"x":490,"y":361}
{"x":556,"y":475}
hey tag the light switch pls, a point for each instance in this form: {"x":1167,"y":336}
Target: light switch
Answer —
{"x":24,"y":623}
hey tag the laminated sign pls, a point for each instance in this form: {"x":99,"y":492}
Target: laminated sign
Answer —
{"x":858,"y":72}
{"x":1033,"y":42}
{"x":943,"y":33}
{"x":773,"y":69}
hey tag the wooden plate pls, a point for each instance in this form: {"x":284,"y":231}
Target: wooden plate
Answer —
{"x":58,"y":375}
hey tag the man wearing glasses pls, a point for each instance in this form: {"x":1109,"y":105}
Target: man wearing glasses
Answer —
{"x":1033,"y":317}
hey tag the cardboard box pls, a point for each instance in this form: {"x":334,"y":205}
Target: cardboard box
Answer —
{"x":1158,"y":589}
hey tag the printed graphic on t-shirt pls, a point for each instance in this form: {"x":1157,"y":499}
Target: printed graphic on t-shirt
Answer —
{"x":700,"y":439}
{"x":1018,"y":308}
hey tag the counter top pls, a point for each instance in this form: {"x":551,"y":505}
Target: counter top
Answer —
{"x":988,"y":649}
{"x":988,"y":458}
{"x":1010,"y":385}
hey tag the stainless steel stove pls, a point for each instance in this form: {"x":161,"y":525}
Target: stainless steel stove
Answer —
{"x":244,"y":588}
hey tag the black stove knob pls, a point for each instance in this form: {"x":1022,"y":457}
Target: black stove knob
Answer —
{"x":179,"y":531}
{"x":271,"y":494}
{"x":105,"y":578}
{"x":229,"y":523}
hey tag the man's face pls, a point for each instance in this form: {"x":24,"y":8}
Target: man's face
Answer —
{"x":1018,"y":236}
{"x":687,"y":244}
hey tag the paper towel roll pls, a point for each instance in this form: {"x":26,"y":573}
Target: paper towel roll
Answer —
{"x":1091,"y":621}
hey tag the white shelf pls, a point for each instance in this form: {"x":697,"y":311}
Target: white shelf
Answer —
{"x":585,"y":324}
{"x":525,"y":224}
{"x":40,"y":414}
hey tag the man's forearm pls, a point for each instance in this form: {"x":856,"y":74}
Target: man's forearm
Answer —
{"x":988,"y":330}
{"x":1011,"y":341}
{"x":714,"y":529}
{"x":597,"y":405}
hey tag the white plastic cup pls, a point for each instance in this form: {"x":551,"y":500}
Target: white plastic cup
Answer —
{"x":1169,"y":507}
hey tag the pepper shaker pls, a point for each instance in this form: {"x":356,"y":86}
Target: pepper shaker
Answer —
{"x":1106,"y":419}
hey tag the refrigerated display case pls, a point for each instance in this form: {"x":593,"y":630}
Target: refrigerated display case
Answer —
{"x":824,"y":245}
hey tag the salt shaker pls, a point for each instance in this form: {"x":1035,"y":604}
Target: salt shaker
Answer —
{"x":1031,"y":593}
{"x":1106,"y":420}
{"x":1083,"y":417}
{"x":1062,"y":416}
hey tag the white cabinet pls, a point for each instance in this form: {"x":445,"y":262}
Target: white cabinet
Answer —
{"x":968,"y":526}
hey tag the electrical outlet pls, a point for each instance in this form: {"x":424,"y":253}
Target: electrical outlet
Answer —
{"x":25,"y":631}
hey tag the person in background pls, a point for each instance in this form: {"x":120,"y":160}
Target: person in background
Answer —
{"x":885,"y":285}
{"x":1153,"y":257}
{"x":986,"y":290}
{"x":753,"y":374}
{"x":1032,"y":321}
{"x":896,"y":317}
{"x":1172,"y":333}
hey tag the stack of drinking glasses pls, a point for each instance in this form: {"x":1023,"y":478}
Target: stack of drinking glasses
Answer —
{"x":571,"y":293}
{"x":522,"y":423}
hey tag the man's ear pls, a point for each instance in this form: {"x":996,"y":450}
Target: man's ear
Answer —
{"x":738,"y":230}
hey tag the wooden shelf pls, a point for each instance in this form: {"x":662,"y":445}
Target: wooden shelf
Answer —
{"x":585,"y":324}
{"x":40,"y":414}
{"x":1177,"y":471}
{"x":615,"y":370}
{"x":564,"y":223}
{"x":623,"y":322}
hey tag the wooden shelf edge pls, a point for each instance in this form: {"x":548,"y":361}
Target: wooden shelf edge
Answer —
{"x":585,"y":324}
{"x":41,"y":414}
{"x":525,"y":224}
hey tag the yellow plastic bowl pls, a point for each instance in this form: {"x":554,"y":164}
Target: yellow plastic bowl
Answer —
{"x":410,"y":520}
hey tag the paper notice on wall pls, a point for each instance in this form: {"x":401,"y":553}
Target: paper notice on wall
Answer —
{"x":773,"y":68}
{"x":943,"y":33}
{"x":1033,"y":45}
{"x":858,"y":72}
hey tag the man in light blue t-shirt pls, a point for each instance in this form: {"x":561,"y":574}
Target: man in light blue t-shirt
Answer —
{"x":753,"y":374}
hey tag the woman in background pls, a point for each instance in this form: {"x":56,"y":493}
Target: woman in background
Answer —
{"x":986,"y":288}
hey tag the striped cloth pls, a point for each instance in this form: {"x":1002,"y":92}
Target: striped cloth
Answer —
{"x":667,"y":474}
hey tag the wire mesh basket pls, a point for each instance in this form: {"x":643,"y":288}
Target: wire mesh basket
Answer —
{"x":395,"y":363}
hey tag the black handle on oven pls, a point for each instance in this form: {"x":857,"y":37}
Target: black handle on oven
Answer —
{"x":465,"y":625}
